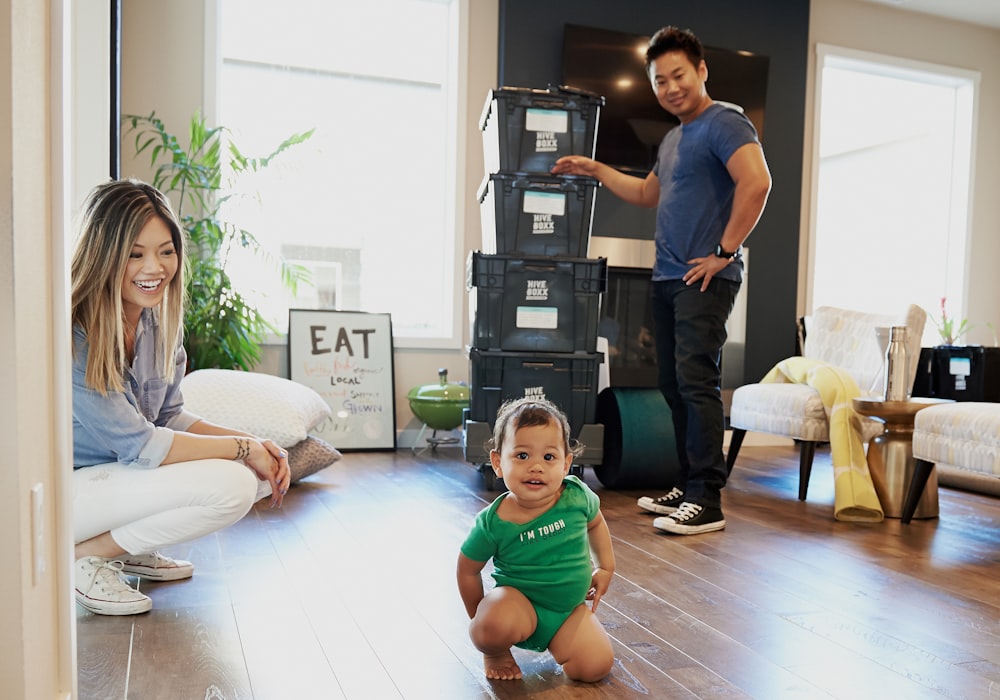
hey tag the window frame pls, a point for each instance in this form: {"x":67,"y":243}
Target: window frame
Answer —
{"x":455,"y":192}
{"x":947,"y":74}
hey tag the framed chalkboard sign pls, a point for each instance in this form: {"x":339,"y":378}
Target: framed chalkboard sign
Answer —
{"x":346,"y":357}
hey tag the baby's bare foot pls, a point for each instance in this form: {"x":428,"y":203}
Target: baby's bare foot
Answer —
{"x":502,"y":667}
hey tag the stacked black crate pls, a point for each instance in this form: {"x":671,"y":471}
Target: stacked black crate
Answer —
{"x":534,"y":294}
{"x":959,"y":373}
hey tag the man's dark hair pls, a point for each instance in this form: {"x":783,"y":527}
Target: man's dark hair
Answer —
{"x":673,"y":39}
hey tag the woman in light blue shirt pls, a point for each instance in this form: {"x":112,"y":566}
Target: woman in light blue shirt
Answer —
{"x":146,"y":473}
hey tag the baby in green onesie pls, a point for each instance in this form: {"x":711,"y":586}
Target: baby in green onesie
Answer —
{"x":551,"y":551}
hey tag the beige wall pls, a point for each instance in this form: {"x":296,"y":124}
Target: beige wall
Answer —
{"x":36,"y":617}
{"x":163,"y":67}
{"x":878,"y":29}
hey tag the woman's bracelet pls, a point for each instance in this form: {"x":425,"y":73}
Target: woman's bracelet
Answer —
{"x":242,"y":448}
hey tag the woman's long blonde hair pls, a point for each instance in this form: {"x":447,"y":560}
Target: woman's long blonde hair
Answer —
{"x":113,"y":216}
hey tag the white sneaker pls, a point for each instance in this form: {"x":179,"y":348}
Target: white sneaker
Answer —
{"x":691,"y":519}
{"x":155,"y":566}
{"x":664,"y":505}
{"x":101,"y":589}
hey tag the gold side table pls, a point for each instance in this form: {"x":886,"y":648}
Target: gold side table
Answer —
{"x":890,"y":455}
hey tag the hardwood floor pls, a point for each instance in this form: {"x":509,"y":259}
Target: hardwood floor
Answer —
{"x":348,"y":591}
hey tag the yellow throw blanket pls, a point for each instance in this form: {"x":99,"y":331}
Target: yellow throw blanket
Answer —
{"x":855,"y":499}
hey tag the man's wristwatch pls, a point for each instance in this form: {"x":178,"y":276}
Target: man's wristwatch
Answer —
{"x":721,"y":252}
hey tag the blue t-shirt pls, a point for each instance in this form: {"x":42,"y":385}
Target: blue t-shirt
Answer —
{"x":696,"y":191}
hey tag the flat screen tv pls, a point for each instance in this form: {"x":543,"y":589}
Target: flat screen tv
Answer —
{"x":632,"y":123}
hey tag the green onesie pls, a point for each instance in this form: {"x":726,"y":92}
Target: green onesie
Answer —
{"x":547,"y":559}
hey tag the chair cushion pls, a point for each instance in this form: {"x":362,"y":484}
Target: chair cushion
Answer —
{"x":792,"y":410}
{"x":962,"y":434}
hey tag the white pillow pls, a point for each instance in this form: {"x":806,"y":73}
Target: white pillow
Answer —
{"x":260,"y":404}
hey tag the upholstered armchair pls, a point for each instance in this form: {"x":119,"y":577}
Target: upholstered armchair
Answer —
{"x":840,"y":337}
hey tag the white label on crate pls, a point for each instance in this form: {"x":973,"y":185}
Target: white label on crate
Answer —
{"x":542,"y":224}
{"x":537,"y":317}
{"x":553,"y":120}
{"x":960,"y":366}
{"x":537,"y":290}
{"x":544,"y":203}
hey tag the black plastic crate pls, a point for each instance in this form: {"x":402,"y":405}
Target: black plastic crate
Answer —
{"x":537,"y":214}
{"x":959,"y":372}
{"x":535,"y":304}
{"x":569,"y":380}
{"x":527,"y":130}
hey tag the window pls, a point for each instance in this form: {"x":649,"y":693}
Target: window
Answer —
{"x":368,"y":203}
{"x":892,"y":184}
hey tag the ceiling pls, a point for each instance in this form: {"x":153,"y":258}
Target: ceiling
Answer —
{"x":985,"y":12}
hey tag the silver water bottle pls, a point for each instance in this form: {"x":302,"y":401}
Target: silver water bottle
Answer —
{"x":896,"y":366}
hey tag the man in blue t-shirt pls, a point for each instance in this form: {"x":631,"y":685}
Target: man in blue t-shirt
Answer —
{"x":710,"y":183}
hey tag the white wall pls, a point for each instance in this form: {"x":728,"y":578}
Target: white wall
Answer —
{"x":885,"y":30}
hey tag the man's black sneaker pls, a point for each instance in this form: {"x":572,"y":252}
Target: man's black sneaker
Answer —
{"x":691,"y":519}
{"x":665,"y":504}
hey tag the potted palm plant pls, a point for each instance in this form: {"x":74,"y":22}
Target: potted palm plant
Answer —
{"x":222,"y":328}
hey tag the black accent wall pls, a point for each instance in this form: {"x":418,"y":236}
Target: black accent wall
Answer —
{"x":531,"y":56}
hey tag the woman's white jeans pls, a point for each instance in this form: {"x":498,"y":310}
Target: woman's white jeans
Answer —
{"x":146,"y":509}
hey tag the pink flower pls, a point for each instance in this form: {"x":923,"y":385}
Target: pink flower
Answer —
{"x":946,"y":328}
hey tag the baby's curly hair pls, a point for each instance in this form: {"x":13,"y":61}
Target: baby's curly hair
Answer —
{"x":527,"y":412}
